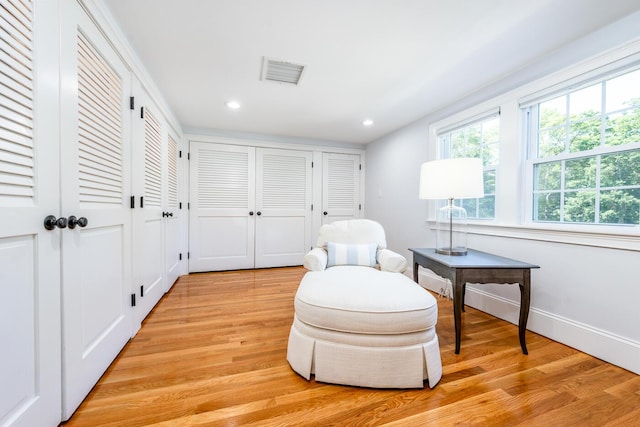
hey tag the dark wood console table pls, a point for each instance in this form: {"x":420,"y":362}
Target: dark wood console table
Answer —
{"x":478,"y":267}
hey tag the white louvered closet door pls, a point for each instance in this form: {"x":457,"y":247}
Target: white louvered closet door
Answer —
{"x":148,"y":140}
{"x":30,"y":380}
{"x":172,"y":218}
{"x":96,"y":185}
{"x":283,"y":204}
{"x":340,"y":187}
{"x":222,"y":207}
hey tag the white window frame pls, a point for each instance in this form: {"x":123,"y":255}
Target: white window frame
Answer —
{"x":529,"y":112}
{"x":455,"y":123}
{"x":444,"y":152}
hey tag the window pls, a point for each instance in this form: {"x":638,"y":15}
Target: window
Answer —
{"x":479,"y":138}
{"x":584,"y":150}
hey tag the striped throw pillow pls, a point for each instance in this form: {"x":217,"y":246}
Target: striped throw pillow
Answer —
{"x":345,"y":254}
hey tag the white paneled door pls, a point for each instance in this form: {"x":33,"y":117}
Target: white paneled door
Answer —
{"x":172,"y":255}
{"x":283,"y":203}
{"x":149,"y":136}
{"x":222,"y":207}
{"x":250,"y":207}
{"x":95,"y":189}
{"x":340,"y":187}
{"x":29,"y":191}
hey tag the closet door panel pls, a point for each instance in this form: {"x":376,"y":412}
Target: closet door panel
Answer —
{"x":30,"y":378}
{"x":96,"y":185}
{"x":282,"y":241}
{"x":172,"y":220}
{"x":222,"y":207}
{"x":225,"y":237}
{"x":340,"y":187}
{"x":283,"y":199}
{"x":148,"y":142}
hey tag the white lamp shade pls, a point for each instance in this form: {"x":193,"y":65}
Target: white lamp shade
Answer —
{"x":460,"y":178}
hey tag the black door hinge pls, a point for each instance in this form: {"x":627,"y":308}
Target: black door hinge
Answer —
{"x":141,"y":291}
{"x":133,"y":300}
{"x":180,"y":257}
{"x":188,"y":156}
{"x":311,"y":164}
{"x":131,"y":103}
{"x":180,"y":153}
{"x":142,"y":112}
{"x":142,"y":201}
{"x":180,"y":205}
{"x":188,"y":255}
{"x":360,"y":207}
{"x":360,"y":167}
{"x":311,"y":206}
{"x":188,"y":206}
{"x":133,"y":202}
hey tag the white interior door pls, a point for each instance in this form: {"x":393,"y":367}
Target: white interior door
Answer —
{"x":149,"y":135}
{"x":222,"y":207}
{"x":172,"y":212}
{"x":283,"y":203}
{"x":340,"y":187}
{"x":30,"y":378}
{"x":95,"y":184}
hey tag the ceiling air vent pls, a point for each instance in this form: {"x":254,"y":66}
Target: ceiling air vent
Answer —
{"x":281,"y":71}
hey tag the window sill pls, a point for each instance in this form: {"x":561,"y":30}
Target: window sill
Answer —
{"x":612,"y":237}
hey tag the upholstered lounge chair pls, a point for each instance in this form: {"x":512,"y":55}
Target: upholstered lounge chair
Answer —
{"x":358,"y":320}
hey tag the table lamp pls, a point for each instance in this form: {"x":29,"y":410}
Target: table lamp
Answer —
{"x":450,"y":179}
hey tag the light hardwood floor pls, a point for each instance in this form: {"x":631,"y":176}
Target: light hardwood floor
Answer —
{"x":213,"y":352}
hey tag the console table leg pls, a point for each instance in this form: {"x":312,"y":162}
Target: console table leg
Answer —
{"x":464,"y":294}
{"x":525,"y":301}
{"x":458,"y":301}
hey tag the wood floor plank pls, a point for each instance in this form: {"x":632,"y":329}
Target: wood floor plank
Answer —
{"x":213,"y":353}
{"x":488,"y":408}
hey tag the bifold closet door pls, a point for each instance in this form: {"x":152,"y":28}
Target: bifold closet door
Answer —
{"x":340,"y":187}
{"x":222,"y":207}
{"x":172,"y":215}
{"x":30,"y":379}
{"x":95,"y":189}
{"x":148,"y":141}
{"x":283,"y":204}
{"x":250,"y":207}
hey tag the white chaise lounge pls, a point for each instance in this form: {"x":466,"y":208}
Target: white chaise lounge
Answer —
{"x":360,"y":321}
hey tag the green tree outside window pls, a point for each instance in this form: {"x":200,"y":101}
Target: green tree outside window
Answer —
{"x":587,"y":168}
{"x":479,"y":139}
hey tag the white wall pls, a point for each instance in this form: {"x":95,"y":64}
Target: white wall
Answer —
{"x":391,"y":187}
{"x":586,"y":292}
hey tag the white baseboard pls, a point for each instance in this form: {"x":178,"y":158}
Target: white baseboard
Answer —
{"x":609,"y":347}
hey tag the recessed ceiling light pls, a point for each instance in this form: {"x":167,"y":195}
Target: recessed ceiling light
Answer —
{"x":234,"y":105}
{"x":367,"y":122}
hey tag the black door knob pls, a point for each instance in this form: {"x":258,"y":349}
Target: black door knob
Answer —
{"x":258,"y":213}
{"x":50,"y":222}
{"x":325,"y":213}
{"x":170,"y":214}
{"x":250,"y":213}
{"x":80,"y":222}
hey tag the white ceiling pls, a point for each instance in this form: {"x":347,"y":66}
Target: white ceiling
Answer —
{"x":393,"y":61}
